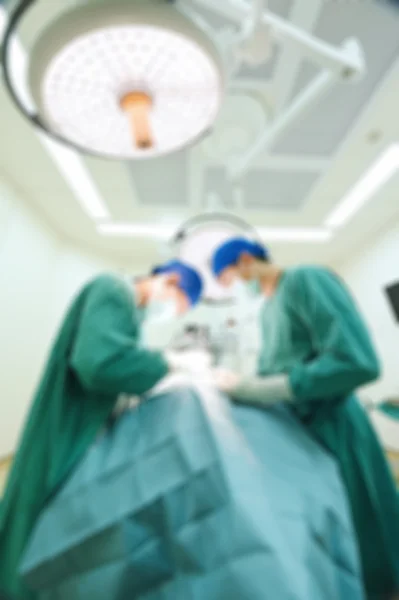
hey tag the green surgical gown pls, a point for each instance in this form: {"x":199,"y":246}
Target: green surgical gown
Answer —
{"x":96,"y":357}
{"x":313,"y":332}
{"x":390,"y":409}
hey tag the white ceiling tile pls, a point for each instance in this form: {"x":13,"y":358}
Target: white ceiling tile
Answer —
{"x":162,"y":181}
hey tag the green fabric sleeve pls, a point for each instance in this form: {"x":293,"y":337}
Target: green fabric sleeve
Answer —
{"x":106,"y":354}
{"x":345,"y":358}
{"x":391,"y":409}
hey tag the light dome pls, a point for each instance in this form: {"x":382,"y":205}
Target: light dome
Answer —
{"x":196,"y":242}
{"x":126,"y":79}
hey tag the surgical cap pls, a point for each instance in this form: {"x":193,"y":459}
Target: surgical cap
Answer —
{"x":228,"y":254}
{"x":190,"y":281}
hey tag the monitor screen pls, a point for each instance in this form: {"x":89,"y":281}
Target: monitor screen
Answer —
{"x":392,"y":291}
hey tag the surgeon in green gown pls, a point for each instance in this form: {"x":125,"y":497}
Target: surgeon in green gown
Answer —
{"x":96,"y":357}
{"x":316,"y":352}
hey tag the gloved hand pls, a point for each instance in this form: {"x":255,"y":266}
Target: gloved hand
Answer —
{"x":392,"y":400}
{"x":190,"y":361}
{"x":225,"y":381}
{"x":264,"y":391}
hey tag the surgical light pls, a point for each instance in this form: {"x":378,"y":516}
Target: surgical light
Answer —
{"x":125,"y":79}
{"x":195,"y":241}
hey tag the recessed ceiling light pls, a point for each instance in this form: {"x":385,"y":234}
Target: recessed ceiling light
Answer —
{"x":294,"y":234}
{"x":158,"y":231}
{"x":167,"y":231}
{"x":379,"y":173}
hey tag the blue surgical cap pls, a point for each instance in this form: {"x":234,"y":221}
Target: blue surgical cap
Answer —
{"x":228,"y":254}
{"x":190,"y":281}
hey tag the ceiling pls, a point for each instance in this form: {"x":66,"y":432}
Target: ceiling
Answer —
{"x":297,"y":183}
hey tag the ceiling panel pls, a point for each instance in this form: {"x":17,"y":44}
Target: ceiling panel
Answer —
{"x":217,"y":184}
{"x":262,"y":189}
{"x":322,"y":130}
{"x":271,"y":190}
{"x":115,"y":184}
{"x":161,"y":181}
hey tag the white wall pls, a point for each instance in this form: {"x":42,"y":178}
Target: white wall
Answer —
{"x":376,"y":266}
{"x":73,"y":269}
{"x":38,"y":275}
{"x":27,"y":261}
{"x":367,"y":273}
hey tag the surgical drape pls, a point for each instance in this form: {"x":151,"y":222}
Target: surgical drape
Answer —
{"x":189,"y":497}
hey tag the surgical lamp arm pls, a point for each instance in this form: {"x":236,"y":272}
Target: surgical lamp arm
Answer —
{"x":326,"y":55}
{"x":253,"y":20}
{"x":301,"y":104}
{"x":346,"y":62}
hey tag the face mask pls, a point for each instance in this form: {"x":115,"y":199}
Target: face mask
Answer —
{"x":158,"y":327}
{"x":253,"y":288}
{"x":140,"y":314}
{"x":159,"y":310}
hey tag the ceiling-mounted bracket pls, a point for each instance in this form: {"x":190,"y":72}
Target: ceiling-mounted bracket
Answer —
{"x":345,"y":63}
{"x":310,"y":96}
{"x":330,"y":57}
{"x":252,"y":22}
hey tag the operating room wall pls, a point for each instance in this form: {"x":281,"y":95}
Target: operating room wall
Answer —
{"x":39,"y":275}
{"x":367,"y":273}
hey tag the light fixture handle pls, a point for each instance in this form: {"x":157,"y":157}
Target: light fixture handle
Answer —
{"x":137,"y":106}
